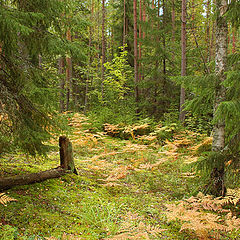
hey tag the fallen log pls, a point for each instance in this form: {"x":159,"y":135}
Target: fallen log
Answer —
{"x":66,"y":166}
{"x":10,"y":182}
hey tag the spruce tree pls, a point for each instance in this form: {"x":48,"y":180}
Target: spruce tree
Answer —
{"x":26,"y":32}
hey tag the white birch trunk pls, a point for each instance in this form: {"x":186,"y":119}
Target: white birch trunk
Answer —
{"x":220,"y":68}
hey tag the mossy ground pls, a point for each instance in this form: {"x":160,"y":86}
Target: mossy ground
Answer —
{"x":120,"y":192}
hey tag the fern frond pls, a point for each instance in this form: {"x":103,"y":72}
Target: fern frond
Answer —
{"x":4,"y":199}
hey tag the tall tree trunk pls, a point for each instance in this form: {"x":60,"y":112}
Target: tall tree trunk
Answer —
{"x":89,"y":77}
{"x":140,"y":43}
{"x":164,"y":44}
{"x":184,"y":60}
{"x":68,"y":73}
{"x":62,"y":83}
{"x":135,"y":54}
{"x":208,"y":54}
{"x":220,"y":93}
{"x":173,"y":21}
{"x":124,"y":24}
{"x":144,"y":15}
{"x":103,"y":47}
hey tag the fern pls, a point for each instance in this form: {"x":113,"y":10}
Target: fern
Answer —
{"x":4,"y":199}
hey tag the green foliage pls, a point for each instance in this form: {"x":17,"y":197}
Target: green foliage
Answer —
{"x":118,"y":80}
{"x":198,"y":123}
{"x":233,"y":12}
{"x":27,"y":94}
{"x":8,"y":232}
{"x":166,"y":132}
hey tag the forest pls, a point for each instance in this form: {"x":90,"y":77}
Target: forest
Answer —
{"x":119,"y":119}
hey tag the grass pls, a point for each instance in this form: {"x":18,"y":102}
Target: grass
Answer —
{"x":121,"y":191}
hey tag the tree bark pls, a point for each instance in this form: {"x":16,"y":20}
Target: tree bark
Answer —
{"x":184,"y":60}
{"x":173,"y":21}
{"x":10,"y":182}
{"x":233,"y":40}
{"x":124,"y":24}
{"x":68,"y":73}
{"x":62,"y":83}
{"x":208,"y":54}
{"x":66,"y":166}
{"x":217,"y":176}
{"x":135,"y":54}
{"x":220,"y":68}
{"x":89,"y":77}
{"x":144,"y":15}
{"x":140,"y":43}
{"x":66,"y":154}
{"x":103,"y":47}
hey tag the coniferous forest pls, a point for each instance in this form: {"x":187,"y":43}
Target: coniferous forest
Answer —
{"x":119,"y":119}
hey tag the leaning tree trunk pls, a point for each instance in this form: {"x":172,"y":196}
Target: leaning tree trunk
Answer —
{"x":218,"y":145}
{"x":66,"y":166}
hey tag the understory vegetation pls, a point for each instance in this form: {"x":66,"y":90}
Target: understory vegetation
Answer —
{"x":144,"y":184}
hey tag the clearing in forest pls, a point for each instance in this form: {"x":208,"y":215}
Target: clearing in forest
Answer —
{"x":140,"y":188}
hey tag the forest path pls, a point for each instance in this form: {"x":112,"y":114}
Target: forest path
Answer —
{"x":147,"y":176}
{"x":122,"y":190}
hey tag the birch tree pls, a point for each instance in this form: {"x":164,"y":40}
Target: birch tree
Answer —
{"x":220,"y":93}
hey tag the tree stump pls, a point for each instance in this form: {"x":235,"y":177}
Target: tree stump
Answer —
{"x":66,"y":154}
{"x":66,"y":166}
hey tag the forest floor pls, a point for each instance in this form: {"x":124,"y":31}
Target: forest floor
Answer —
{"x":126,"y":189}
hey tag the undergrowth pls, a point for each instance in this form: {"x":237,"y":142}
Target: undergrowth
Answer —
{"x":123,"y":189}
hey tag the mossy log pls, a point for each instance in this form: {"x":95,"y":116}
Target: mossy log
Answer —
{"x":66,"y":166}
{"x":124,"y":132}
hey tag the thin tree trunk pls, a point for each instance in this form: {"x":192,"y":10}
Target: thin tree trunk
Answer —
{"x":184,"y":60}
{"x":90,"y":59}
{"x":140,"y":43}
{"x":124,"y":24}
{"x":173,"y":21}
{"x":233,"y":40}
{"x":208,"y":54}
{"x":218,"y":186}
{"x":164,"y":45}
{"x":103,"y":47}
{"x":68,"y":73}
{"x":135,"y":54}
{"x":62,"y":83}
{"x":144,"y":15}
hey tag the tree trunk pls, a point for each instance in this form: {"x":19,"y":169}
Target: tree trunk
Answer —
{"x":135,"y":54}
{"x":66,"y":154}
{"x":124,"y":24}
{"x":184,"y":60}
{"x":68,"y":73}
{"x":103,"y":47}
{"x":90,"y":60}
{"x":140,"y":43}
{"x":220,"y":92}
{"x":144,"y":15}
{"x":66,"y":166}
{"x":173,"y":21}
{"x":62,"y":83}
{"x":164,"y":49}
{"x":208,"y":54}
{"x":10,"y":182}
{"x":233,"y":40}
